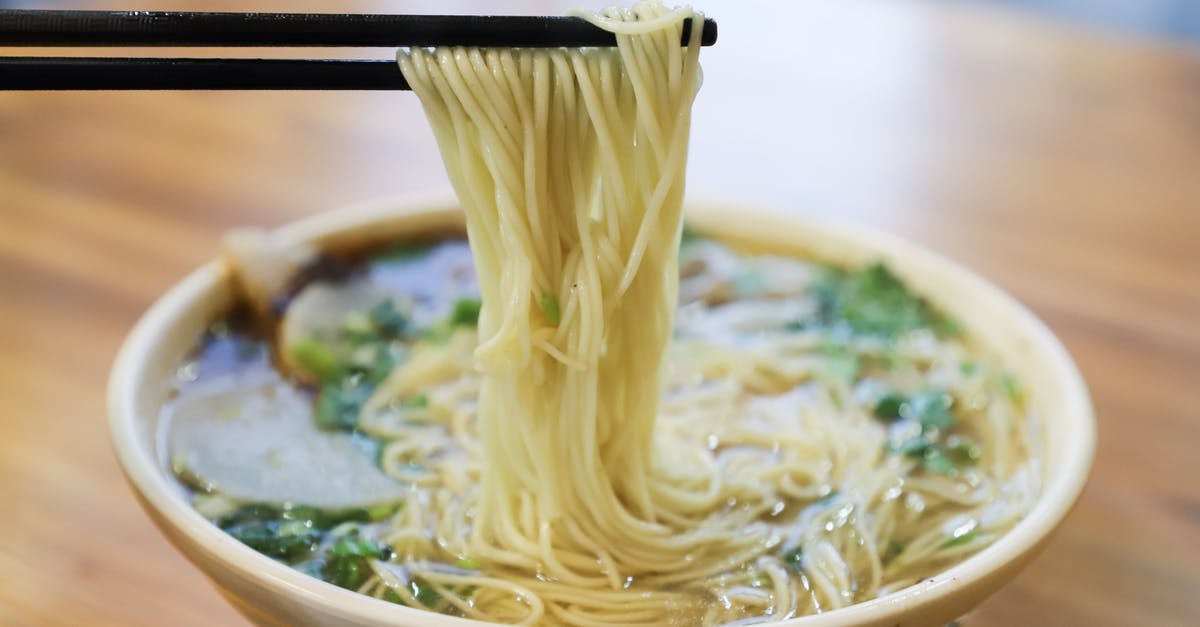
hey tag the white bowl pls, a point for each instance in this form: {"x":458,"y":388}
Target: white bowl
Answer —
{"x":270,"y":593}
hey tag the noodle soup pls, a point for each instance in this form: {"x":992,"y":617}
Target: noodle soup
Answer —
{"x":853,"y":434}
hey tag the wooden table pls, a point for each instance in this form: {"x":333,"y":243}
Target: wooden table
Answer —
{"x":1061,"y":164}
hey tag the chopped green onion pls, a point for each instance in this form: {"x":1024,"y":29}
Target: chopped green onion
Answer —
{"x":963,"y":450}
{"x":912,"y":447}
{"x":351,"y":545}
{"x":930,"y":408}
{"x":873,"y":301}
{"x":888,"y":407}
{"x":389,"y":321}
{"x":316,"y":358}
{"x":794,"y":559}
{"x":1011,"y":387}
{"x":338,"y":406}
{"x":466,"y":312}
{"x":965,"y":538}
{"x":936,"y":460}
{"x":426,"y":594}
{"x":549,"y":306}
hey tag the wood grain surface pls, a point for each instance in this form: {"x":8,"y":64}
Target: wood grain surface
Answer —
{"x":1061,"y":164}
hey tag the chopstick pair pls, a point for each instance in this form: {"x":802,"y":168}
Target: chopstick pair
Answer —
{"x":174,"y":28}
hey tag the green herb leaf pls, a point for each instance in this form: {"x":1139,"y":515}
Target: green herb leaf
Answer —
{"x":965,"y":538}
{"x":1011,"y":387}
{"x":352,"y":545}
{"x":888,"y":407}
{"x":935,"y":459}
{"x":426,"y":594}
{"x":317,"y":359}
{"x":873,"y":301}
{"x":338,"y":406}
{"x":549,"y":304}
{"x":388,"y":321}
{"x":466,"y":312}
{"x":913,"y":447}
{"x":931,"y":408}
{"x":287,"y":542}
{"x":249,"y":513}
{"x":963,"y":450}
{"x":794,"y":559}
{"x":347,"y":572}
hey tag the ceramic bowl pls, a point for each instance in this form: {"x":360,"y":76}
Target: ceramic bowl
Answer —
{"x":270,"y":593}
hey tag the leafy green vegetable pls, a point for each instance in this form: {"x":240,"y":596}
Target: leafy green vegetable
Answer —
{"x":873,"y":301}
{"x":316,"y":358}
{"x":794,"y":559}
{"x":888,"y":407}
{"x":931,"y":408}
{"x":276,"y":539}
{"x":348,"y":561}
{"x":466,"y":312}
{"x":311,"y":517}
{"x":549,"y":304}
{"x":963,"y":450}
{"x":391,"y":596}
{"x":425,"y":594}
{"x":935,"y":459}
{"x":960,"y":540}
{"x":338,"y":405}
{"x":914,"y":446}
{"x":388,"y":321}
{"x":351,"y":545}
{"x":468,"y":563}
{"x":1011,"y":387}
{"x":347,"y":572}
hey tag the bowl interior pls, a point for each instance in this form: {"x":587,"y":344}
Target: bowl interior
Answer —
{"x":1063,"y":419}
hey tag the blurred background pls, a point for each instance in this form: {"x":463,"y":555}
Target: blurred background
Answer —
{"x":1051,"y":145}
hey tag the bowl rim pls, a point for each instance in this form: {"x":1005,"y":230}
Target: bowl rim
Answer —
{"x":147,"y":477}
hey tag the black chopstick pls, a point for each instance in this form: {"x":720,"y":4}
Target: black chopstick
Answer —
{"x":63,"y":73}
{"x":180,"y":28}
